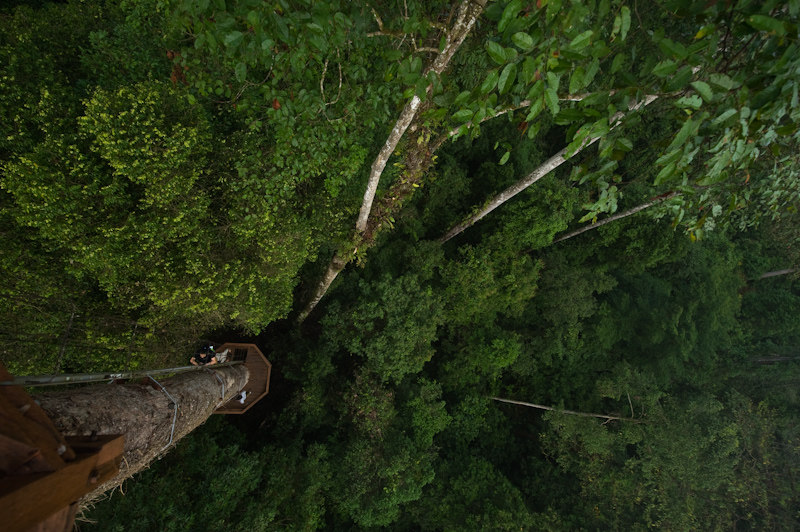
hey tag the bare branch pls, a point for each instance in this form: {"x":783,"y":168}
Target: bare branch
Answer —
{"x":617,"y":216}
{"x":569,"y":412}
{"x":548,"y":166}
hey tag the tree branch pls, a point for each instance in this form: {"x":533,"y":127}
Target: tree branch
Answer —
{"x":569,"y":412}
{"x":548,"y":166}
{"x":468,"y":14}
{"x":617,"y":216}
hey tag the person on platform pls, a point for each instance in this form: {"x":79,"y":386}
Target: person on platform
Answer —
{"x":206,"y":357}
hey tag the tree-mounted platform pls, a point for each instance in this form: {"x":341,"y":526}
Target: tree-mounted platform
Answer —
{"x":260,"y":370}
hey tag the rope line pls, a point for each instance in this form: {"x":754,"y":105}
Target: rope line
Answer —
{"x":174,"y":413}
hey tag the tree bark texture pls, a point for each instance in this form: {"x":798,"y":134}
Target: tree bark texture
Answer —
{"x":548,"y":166}
{"x":617,"y":216}
{"x":468,"y":12}
{"x":144,"y":413}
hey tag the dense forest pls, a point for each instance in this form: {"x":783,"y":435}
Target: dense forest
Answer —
{"x":421,"y":211}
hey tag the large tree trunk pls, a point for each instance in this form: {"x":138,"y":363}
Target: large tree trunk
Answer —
{"x":144,"y":413}
{"x":548,"y":166}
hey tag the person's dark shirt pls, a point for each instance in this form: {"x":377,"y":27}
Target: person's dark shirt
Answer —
{"x":205,"y":356}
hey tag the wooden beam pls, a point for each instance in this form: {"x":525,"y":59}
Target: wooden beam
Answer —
{"x":25,"y":421}
{"x":28,"y":500}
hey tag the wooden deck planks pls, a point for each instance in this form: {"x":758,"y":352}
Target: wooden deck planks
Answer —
{"x":258,"y":384}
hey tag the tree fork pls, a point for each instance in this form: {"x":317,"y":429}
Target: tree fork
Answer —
{"x":144,"y":413}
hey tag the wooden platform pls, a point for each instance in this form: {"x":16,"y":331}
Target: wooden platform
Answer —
{"x":260,"y":370}
{"x":43,"y":474}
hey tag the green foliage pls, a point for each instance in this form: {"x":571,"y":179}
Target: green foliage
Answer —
{"x":169,"y":167}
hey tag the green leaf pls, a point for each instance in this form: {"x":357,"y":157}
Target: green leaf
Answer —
{"x":496,"y":52}
{"x":220,"y":4}
{"x":212,"y":41}
{"x":626,"y":21}
{"x":551,"y":98}
{"x":202,"y":5}
{"x":624,"y":144}
{"x":528,"y":69}
{"x":688,"y":129}
{"x":716,"y":174}
{"x":764,"y":97}
{"x":489,"y":83}
{"x":241,"y":72}
{"x":703,"y":89}
{"x":463,"y":116}
{"x":670,"y":157}
{"x":536,"y":91}
{"x":461,"y":98}
{"x":507,"y":78}
{"x":552,"y":81}
{"x":619,"y":59}
{"x":522,"y":40}
{"x":720,"y":82}
{"x":479,"y":116}
{"x":591,"y":72}
{"x":266,"y":44}
{"x":509,"y":13}
{"x":768,"y":24}
{"x":679,"y":80}
{"x":665,"y":68}
{"x":666,"y":173}
{"x":199,"y":41}
{"x":576,"y":80}
{"x":694,"y":101}
{"x":675,"y":49}
{"x":533,"y":130}
{"x":510,"y":54}
{"x":582,"y":41}
{"x":534,"y":109}
{"x":724,"y":116}
{"x":504,"y":159}
{"x":233,"y":39}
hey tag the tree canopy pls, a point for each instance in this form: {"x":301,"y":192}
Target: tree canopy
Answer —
{"x":388,"y":197}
